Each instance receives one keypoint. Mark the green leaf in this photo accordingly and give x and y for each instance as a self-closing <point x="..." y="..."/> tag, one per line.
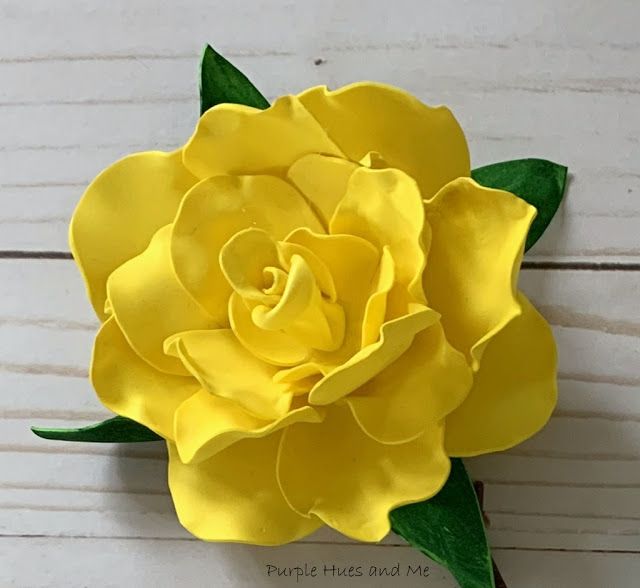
<point x="541" y="183"/>
<point x="115" y="430"/>
<point x="449" y="529"/>
<point x="220" y="82"/>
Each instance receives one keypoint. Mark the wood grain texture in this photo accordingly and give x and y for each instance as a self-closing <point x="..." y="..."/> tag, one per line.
<point x="170" y="563"/>
<point x="525" y="79"/>
<point x="573" y="486"/>
<point x="86" y="83"/>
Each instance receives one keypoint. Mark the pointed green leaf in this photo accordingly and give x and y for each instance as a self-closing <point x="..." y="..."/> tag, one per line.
<point x="449" y="529"/>
<point x="115" y="430"/>
<point x="541" y="183"/>
<point x="220" y="82"/>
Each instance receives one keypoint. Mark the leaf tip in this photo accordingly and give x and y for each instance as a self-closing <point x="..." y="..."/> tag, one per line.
<point x="40" y="432"/>
<point x="207" y="51"/>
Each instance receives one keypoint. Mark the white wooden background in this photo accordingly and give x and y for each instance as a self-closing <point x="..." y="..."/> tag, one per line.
<point x="82" y="83"/>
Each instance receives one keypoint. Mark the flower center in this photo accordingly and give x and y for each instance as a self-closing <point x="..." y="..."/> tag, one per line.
<point x="285" y="288"/>
<point x="275" y="280"/>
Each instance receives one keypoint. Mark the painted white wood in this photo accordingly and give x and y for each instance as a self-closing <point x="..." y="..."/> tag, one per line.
<point x="145" y="27"/>
<point x="573" y="486"/>
<point x="169" y="563"/>
<point x="525" y="79"/>
<point x="86" y="83"/>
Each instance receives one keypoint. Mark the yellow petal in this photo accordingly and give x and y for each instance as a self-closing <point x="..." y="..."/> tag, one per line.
<point x="236" y="139"/>
<point x="297" y="296"/>
<point x="302" y="311"/>
<point x="478" y="237"/>
<point x="130" y="387"/>
<point x="420" y="388"/>
<point x="278" y="279"/>
<point x="274" y="347"/>
<point x="150" y="304"/>
<point x="243" y="260"/>
<point x="205" y="424"/>
<point x="300" y="372"/>
<point x="335" y="471"/>
<point x="234" y="496"/>
<point x="385" y="208"/>
<point x="376" y="308"/>
<point x="215" y="210"/>
<point x="352" y="263"/>
<point x="374" y="160"/>
<point x="514" y="392"/>
<point x="321" y="272"/>
<point x="120" y="211"/>
<point x="322" y="180"/>
<point x="225" y="368"/>
<point x="425" y="142"/>
<point x="395" y="338"/>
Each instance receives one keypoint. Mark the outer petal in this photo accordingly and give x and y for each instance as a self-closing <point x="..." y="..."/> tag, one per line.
<point x="205" y="424"/>
<point x="225" y="368"/>
<point x="121" y="210"/>
<point x="478" y="237"/>
<point x="385" y="207"/>
<point x="150" y="304"/>
<point x="234" y="496"/>
<point x="130" y="387"/>
<point x="420" y="388"/>
<point x="323" y="180"/>
<point x="514" y="392"/>
<point x="335" y="471"/>
<point x="425" y="142"/>
<point x="236" y="139"/>
<point x="215" y="210"/>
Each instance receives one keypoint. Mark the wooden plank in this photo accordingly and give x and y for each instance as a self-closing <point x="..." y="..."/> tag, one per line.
<point x="162" y="563"/>
<point x="144" y="27"/>
<point x="84" y="85"/>
<point x="42" y="179"/>
<point x="166" y="78"/>
<point x="573" y="486"/>
<point x="557" y="82"/>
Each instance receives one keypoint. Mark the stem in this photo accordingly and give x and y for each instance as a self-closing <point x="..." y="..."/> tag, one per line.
<point x="497" y="576"/>
<point x="479" y="488"/>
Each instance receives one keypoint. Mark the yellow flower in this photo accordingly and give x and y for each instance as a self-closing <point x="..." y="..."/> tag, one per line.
<point x="316" y="306"/>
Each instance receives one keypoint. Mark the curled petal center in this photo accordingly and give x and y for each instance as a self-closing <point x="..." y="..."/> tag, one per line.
<point x="286" y="290"/>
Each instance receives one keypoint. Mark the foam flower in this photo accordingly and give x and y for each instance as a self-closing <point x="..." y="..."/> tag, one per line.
<point x="316" y="306"/>
<point x="314" y="303"/>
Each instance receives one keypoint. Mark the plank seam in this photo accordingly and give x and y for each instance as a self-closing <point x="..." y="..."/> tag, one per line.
<point x="610" y="266"/>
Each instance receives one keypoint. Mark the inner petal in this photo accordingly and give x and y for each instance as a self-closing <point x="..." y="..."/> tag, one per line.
<point x="243" y="260"/>
<point x="297" y="296"/>
<point x="352" y="263"/>
<point x="275" y="347"/>
<point x="385" y="207"/>
<point x="321" y="272"/>
<point x="323" y="181"/>
<point x="214" y="211"/>
<point x="225" y="368"/>
<point x="282" y="293"/>
<point x="374" y="314"/>
<point x="302" y="311"/>
<point x="275" y="280"/>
